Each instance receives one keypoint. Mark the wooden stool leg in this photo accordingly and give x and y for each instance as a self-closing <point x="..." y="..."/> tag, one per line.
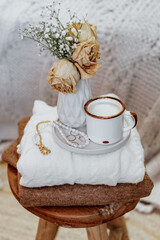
<point x="118" y="229"/>
<point x="98" y="232"/>
<point x="46" y="230"/>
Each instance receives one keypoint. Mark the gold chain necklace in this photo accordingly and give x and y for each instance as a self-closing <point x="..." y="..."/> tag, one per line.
<point x="70" y="139"/>
<point x="44" y="150"/>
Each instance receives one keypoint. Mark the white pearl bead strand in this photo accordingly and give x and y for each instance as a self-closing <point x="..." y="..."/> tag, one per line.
<point x="59" y="126"/>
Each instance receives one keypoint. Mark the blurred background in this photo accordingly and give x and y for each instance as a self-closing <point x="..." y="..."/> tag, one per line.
<point x="129" y="36"/>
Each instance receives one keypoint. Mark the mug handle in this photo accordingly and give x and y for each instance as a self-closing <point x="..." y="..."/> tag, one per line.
<point x="133" y="116"/>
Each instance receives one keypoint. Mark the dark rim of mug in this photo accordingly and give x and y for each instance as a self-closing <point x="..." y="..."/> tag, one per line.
<point x="100" y="117"/>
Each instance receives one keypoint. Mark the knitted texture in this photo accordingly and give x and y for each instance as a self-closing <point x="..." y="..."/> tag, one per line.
<point x="128" y="33"/>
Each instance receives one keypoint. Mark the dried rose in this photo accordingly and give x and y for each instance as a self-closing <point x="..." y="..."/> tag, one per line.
<point x="63" y="76"/>
<point x="85" y="56"/>
<point x="86" y="31"/>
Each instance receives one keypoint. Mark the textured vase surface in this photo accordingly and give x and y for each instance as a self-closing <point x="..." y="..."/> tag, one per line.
<point x="70" y="107"/>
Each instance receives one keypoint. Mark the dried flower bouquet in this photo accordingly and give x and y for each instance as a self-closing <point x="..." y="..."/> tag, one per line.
<point x="75" y="45"/>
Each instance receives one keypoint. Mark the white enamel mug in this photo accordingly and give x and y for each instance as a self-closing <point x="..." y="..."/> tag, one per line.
<point x="105" y="119"/>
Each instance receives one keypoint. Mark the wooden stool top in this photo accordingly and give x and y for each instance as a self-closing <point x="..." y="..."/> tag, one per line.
<point x="76" y="217"/>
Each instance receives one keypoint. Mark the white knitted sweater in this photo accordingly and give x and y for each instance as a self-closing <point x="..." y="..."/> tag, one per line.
<point x="128" y="33"/>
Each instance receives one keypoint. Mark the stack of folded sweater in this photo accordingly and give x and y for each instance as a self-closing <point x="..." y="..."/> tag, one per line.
<point x="63" y="178"/>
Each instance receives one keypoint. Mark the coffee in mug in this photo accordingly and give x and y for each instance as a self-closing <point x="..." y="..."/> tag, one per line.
<point x="105" y="119"/>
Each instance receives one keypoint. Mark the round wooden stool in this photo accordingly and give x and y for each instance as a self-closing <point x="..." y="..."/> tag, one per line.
<point x="96" y="220"/>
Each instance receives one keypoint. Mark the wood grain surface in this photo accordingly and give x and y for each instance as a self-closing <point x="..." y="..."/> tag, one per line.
<point x="76" y="217"/>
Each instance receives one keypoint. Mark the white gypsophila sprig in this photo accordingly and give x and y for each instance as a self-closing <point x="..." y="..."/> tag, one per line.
<point x="51" y="35"/>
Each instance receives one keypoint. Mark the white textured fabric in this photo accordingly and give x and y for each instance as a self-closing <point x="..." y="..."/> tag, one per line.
<point x="61" y="166"/>
<point x="128" y="32"/>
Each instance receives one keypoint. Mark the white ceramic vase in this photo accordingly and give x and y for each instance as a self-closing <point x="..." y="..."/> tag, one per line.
<point x="70" y="107"/>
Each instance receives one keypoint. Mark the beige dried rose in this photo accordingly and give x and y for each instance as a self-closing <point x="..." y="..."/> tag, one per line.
<point x="63" y="76"/>
<point x="87" y="31"/>
<point x="85" y="56"/>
